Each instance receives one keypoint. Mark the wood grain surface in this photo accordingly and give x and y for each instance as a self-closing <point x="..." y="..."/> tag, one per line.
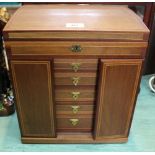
<point x="49" y="17"/>
<point x="109" y="45"/>
<point x="63" y="49"/>
<point x="116" y="98"/>
<point x="32" y="84"/>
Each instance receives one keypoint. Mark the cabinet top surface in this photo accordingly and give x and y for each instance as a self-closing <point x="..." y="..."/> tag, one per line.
<point x="75" y="18"/>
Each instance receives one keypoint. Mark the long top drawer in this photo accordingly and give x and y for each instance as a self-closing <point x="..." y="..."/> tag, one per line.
<point x="76" y="49"/>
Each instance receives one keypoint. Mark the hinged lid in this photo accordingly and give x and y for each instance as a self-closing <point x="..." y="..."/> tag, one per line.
<point x="99" y="22"/>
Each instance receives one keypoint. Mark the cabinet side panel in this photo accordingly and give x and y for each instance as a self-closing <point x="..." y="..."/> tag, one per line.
<point x="116" y="96"/>
<point x="33" y="91"/>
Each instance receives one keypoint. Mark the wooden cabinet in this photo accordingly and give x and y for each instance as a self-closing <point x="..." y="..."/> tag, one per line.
<point x="75" y="81"/>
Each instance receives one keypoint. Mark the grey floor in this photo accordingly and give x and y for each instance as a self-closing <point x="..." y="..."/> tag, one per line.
<point x="142" y="133"/>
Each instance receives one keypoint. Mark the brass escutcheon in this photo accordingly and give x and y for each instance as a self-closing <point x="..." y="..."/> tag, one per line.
<point x="76" y="48"/>
<point x="75" y="95"/>
<point x="75" y="66"/>
<point x="74" y="121"/>
<point x="75" y="108"/>
<point x="75" y="80"/>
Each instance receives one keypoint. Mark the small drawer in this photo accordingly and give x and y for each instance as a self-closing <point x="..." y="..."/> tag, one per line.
<point x="74" y="95"/>
<point x="75" y="65"/>
<point x="75" y="103"/>
<point x="78" y="123"/>
<point x="75" y="79"/>
<point x="75" y="109"/>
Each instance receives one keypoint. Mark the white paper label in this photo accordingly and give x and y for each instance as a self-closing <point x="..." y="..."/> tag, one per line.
<point x="75" y="25"/>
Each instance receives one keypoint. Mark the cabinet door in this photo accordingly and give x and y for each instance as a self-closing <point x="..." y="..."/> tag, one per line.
<point x="117" y="89"/>
<point x="33" y="90"/>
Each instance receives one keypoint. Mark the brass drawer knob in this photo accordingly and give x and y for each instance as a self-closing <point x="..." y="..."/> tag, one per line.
<point x="75" y="109"/>
<point x="75" y="80"/>
<point x="75" y="66"/>
<point x="75" y="95"/>
<point x="76" y="48"/>
<point x="74" y="121"/>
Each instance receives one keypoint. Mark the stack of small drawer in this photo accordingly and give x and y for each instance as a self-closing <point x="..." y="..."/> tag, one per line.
<point x="75" y="83"/>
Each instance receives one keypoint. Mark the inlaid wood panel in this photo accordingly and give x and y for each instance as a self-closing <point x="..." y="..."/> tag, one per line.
<point x="116" y="96"/>
<point x="33" y="86"/>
